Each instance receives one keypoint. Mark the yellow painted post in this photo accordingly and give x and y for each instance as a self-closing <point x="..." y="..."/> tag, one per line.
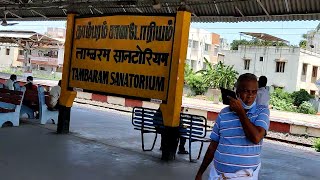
<point x="67" y="97"/>
<point x="171" y="110"/>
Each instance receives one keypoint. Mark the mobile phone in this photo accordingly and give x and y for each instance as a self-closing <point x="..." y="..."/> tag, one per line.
<point x="226" y="93"/>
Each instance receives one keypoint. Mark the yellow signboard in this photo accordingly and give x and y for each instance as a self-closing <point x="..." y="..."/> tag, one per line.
<point x="123" y="55"/>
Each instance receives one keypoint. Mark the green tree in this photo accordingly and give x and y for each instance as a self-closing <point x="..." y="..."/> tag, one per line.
<point x="300" y="96"/>
<point x="281" y="100"/>
<point x="219" y="75"/>
<point x="255" y="42"/>
<point x="187" y="70"/>
<point x="303" y="44"/>
<point x="208" y="74"/>
<point x="306" y="108"/>
<point x="236" y="43"/>
<point x="196" y="83"/>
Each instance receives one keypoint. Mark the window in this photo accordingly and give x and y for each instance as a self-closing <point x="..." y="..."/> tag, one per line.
<point x="261" y="58"/>
<point x="8" y="51"/>
<point x="220" y="58"/>
<point x="304" y="69"/>
<point x="21" y="52"/>
<point x="195" y="44"/>
<point x="193" y="64"/>
<point x="215" y="51"/>
<point x="246" y="64"/>
<point x="204" y="66"/>
<point x="207" y="47"/>
<point x="313" y="93"/>
<point x="314" y="71"/>
<point x="280" y="67"/>
<point x="189" y="43"/>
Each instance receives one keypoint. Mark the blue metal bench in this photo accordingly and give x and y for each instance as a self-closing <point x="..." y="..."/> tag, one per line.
<point x="45" y="115"/>
<point x="192" y="127"/>
<point x="10" y="105"/>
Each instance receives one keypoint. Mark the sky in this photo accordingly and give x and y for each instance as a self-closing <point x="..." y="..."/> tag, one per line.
<point x="288" y="30"/>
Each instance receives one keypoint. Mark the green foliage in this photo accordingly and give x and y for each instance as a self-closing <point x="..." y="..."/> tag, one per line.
<point x="35" y="73"/>
<point x="316" y="145"/>
<point x="300" y="96"/>
<point x="236" y="43"/>
<point x="306" y="108"/>
<point x="211" y="98"/>
<point x="303" y="44"/>
<point x="282" y="95"/>
<point x="304" y="36"/>
<point x="295" y="102"/>
<point x="219" y="75"/>
<point x="282" y="100"/>
<point x="196" y="83"/>
<point x="255" y="42"/>
<point x="187" y="70"/>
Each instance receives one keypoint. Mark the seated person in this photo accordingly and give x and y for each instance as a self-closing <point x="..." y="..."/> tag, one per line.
<point x="54" y="95"/>
<point x="10" y="82"/>
<point x="16" y="86"/>
<point x="182" y="140"/>
<point x="31" y="99"/>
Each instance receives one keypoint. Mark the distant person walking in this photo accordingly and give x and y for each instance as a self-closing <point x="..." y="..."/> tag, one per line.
<point x="10" y="82"/>
<point x="263" y="96"/>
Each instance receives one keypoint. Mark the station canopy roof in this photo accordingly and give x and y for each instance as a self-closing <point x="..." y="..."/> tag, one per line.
<point x="202" y="10"/>
<point x="265" y="37"/>
<point x="21" y="37"/>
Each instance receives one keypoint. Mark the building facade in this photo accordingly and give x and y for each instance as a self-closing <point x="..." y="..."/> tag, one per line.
<point x="45" y="58"/>
<point x="202" y="45"/>
<point x="290" y="68"/>
<point x="8" y="56"/>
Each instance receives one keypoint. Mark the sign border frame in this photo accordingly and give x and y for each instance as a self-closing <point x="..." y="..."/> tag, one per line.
<point x="115" y="94"/>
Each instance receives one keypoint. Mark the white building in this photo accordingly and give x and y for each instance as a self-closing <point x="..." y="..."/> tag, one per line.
<point x="202" y="44"/>
<point x="8" y="56"/>
<point x="289" y="68"/>
<point x="48" y="58"/>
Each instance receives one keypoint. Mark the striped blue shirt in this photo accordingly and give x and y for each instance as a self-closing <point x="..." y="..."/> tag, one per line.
<point x="235" y="151"/>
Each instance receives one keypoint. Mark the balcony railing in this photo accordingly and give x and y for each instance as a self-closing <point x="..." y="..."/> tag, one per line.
<point x="43" y="58"/>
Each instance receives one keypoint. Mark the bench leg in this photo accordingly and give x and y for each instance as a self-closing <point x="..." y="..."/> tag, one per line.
<point x="153" y="144"/>
<point x="201" y="146"/>
<point x="190" y="152"/>
<point x="190" y="159"/>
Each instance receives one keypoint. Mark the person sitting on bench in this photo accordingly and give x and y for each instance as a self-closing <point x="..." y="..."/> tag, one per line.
<point x="54" y="95"/>
<point x="31" y="92"/>
<point x="182" y="140"/>
<point x="9" y="83"/>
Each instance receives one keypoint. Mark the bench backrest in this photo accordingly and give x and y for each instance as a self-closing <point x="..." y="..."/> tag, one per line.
<point x="193" y="125"/>
<point x="146" y="118"/>
<point x="190" y="125"/>
<point x="11" y="99"/>
<point x="42" y="95"/>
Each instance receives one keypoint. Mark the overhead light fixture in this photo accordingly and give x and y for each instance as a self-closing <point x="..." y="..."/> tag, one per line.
<point x="156" y="4"/>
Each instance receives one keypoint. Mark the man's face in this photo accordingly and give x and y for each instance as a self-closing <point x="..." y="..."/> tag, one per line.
<point x="248" y="91"/>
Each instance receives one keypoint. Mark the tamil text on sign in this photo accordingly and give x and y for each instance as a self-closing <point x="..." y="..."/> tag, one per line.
<point x="123" y="55"/>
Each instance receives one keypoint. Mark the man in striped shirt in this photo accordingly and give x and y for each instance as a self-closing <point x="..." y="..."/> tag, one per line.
<point x="237" y="135"/>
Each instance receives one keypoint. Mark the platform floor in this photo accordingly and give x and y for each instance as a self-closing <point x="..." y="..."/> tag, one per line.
<point x="103" y="145"/>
